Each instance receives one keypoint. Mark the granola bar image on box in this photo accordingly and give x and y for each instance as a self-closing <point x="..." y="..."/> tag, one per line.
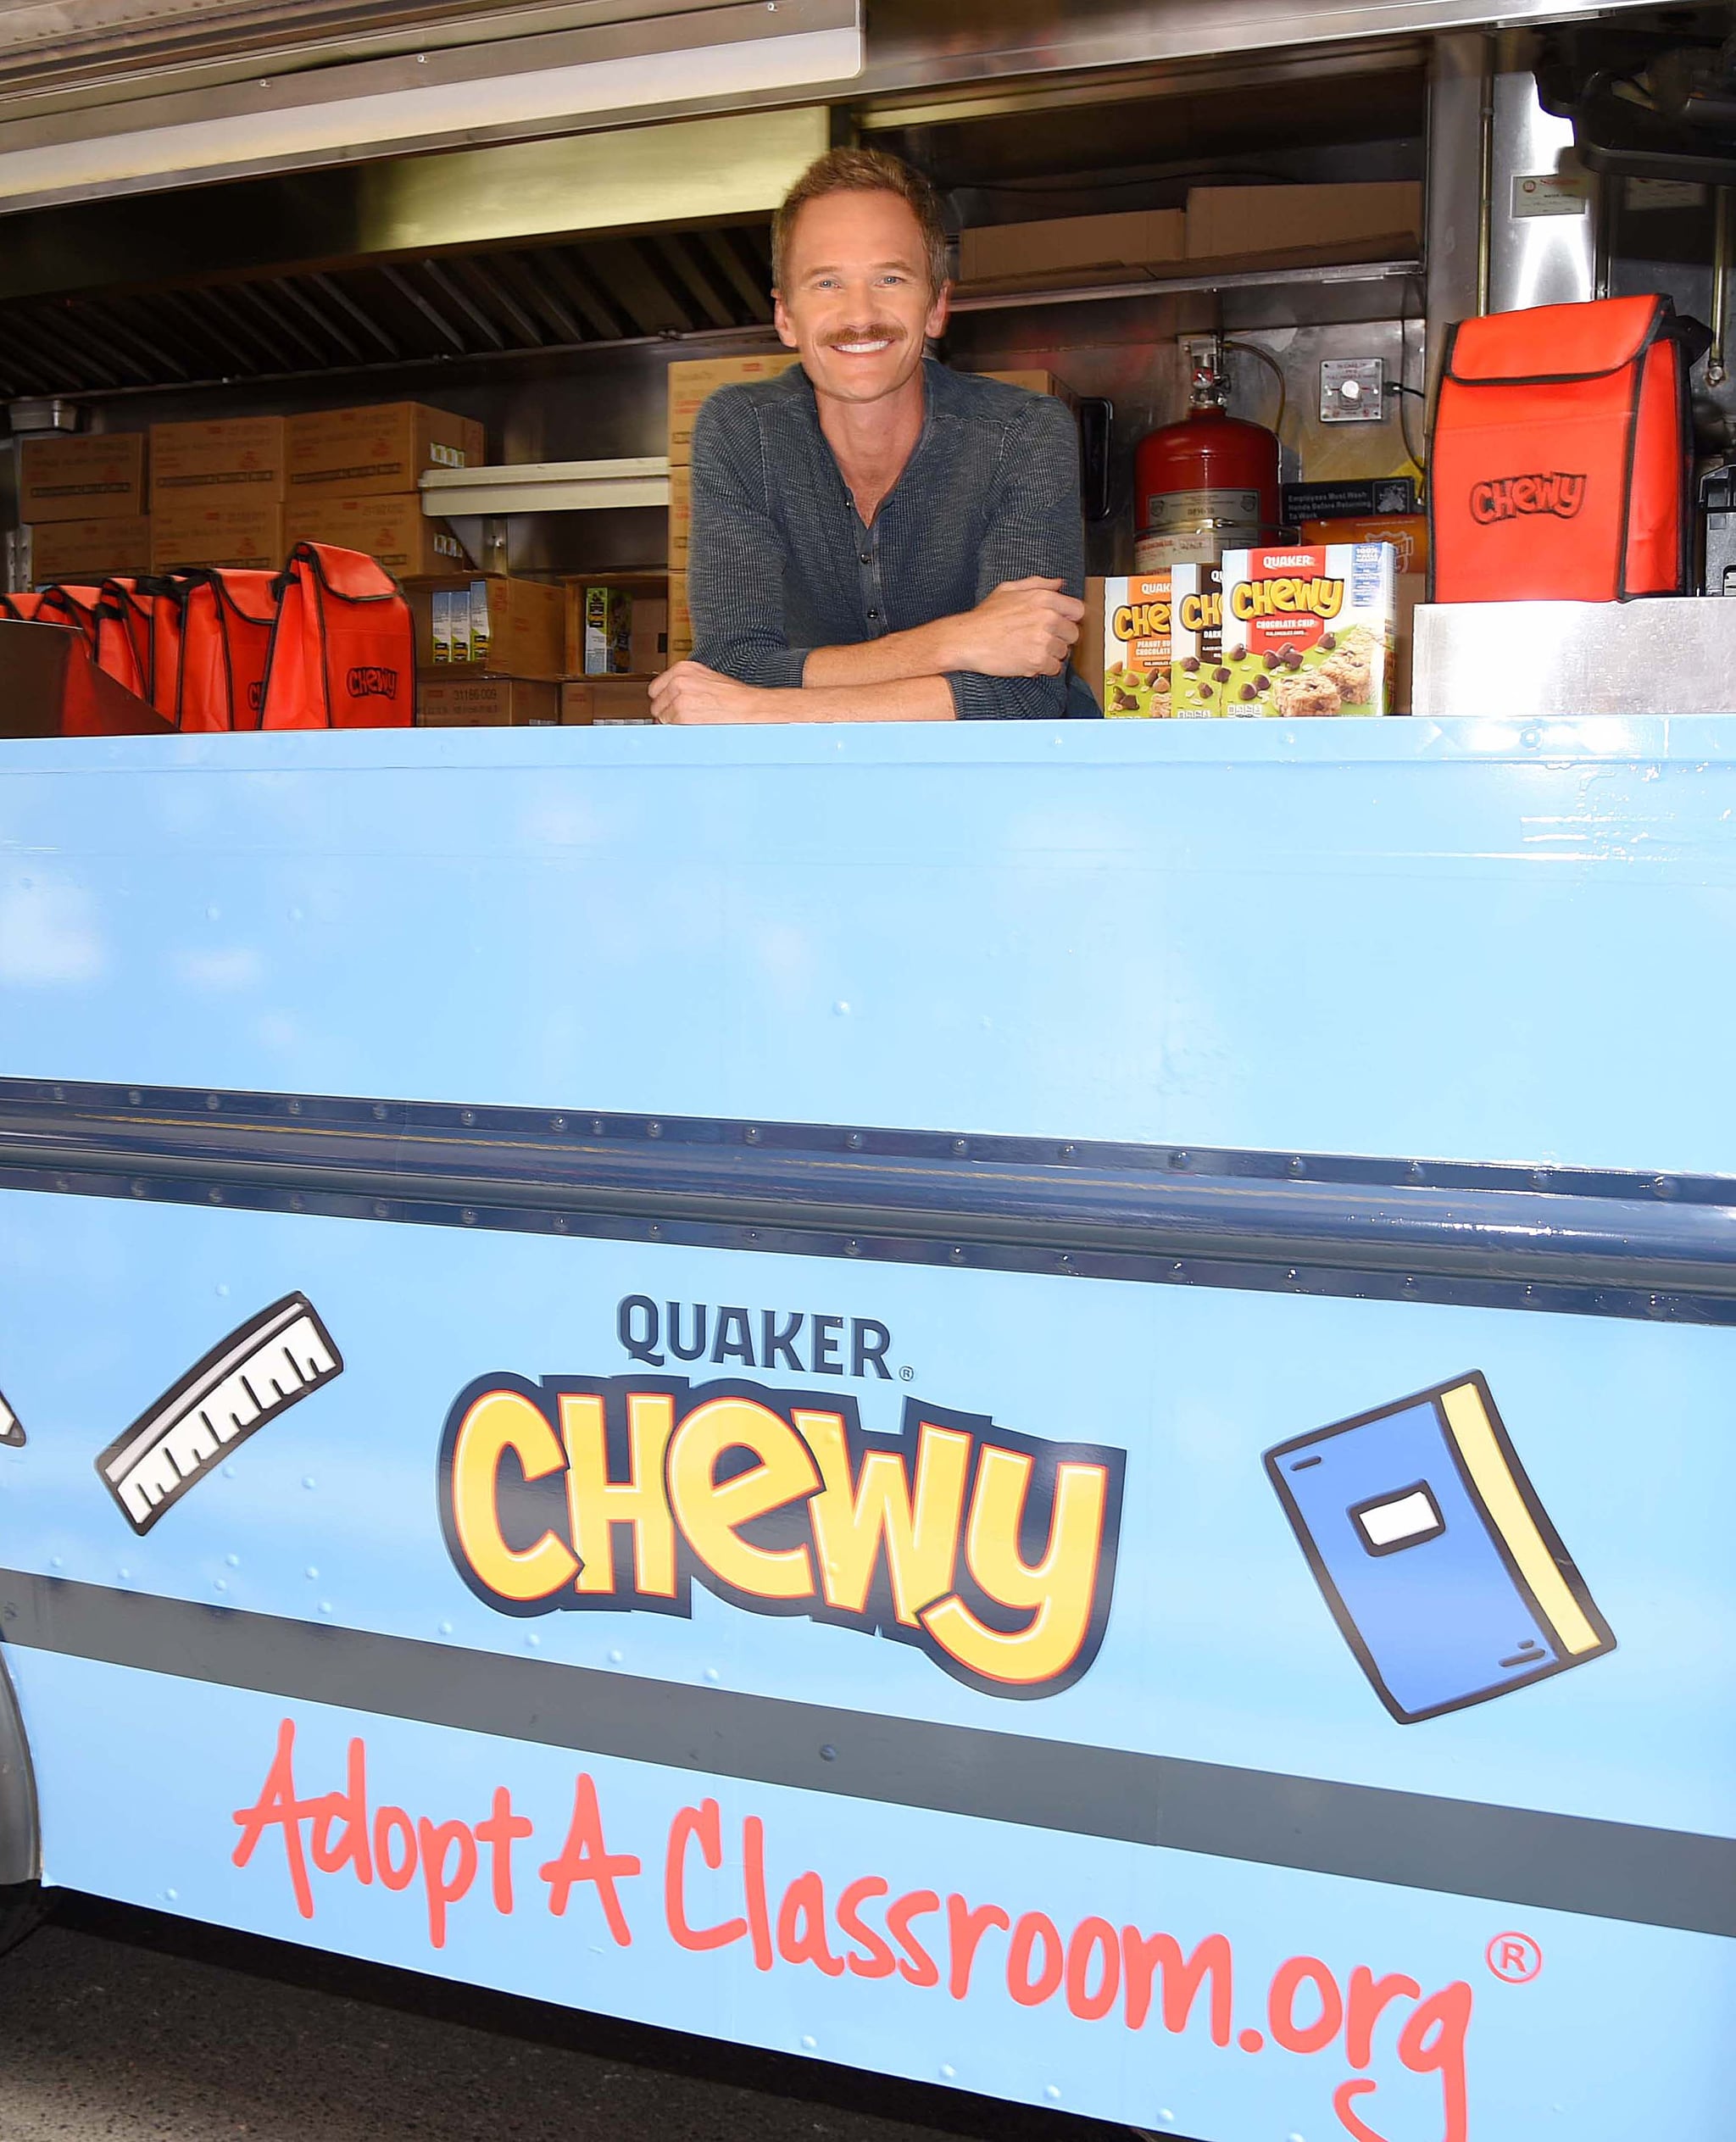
<point x="1308" y="692"/>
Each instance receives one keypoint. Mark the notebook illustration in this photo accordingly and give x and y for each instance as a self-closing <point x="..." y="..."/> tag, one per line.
<point x="1428" y="1543"/>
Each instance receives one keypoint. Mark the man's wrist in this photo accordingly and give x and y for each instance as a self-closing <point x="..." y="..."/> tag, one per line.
<point x="945" y="650"/>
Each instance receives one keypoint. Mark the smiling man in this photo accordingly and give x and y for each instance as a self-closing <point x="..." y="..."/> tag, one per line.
<point x="875" y="538"/>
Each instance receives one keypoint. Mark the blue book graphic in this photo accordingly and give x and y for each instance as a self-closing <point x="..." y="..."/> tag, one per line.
<point x="1429" y="1544"/>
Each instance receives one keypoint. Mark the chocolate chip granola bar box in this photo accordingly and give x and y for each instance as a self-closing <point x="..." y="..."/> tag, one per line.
<point x="1197" y="674"/>
<point x="1308" y="632"/>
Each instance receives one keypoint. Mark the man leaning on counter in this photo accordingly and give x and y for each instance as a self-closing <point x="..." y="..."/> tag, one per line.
<point x="875" y="537"/>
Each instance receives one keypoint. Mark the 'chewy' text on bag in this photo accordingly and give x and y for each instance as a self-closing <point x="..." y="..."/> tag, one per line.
<point x="1562" y="454"/>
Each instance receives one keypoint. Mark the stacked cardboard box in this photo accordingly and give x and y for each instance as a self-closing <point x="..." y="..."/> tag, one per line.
<point x="606" y="703"/>
<point x="490" y="626"/>
<point x="689" y="386"/>
<point x="217" y="493"/>
<point x="350" y="478"/>
<point x="486" y="703"/>
<point x="83" y="501"/>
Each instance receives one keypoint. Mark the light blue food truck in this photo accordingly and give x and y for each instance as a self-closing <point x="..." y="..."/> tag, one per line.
<point x="1031" y="1406"/>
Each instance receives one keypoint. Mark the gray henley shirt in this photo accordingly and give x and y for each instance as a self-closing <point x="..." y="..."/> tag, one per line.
<point x="781" y="562"/>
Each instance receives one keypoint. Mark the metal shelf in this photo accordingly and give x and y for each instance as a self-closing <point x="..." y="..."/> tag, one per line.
<point x="1153" y="286"/>
<point x="547" y="487"/>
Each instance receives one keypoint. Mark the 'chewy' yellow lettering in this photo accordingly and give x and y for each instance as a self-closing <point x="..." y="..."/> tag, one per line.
<point x="498" y="1423"/>
<point x="1287" y="598"/>
<point x="711" y="1511"/>
<point x="854" y="1520"/>
<point x="1061" y="1590"/>
<point x="1141" y="621"/>
<point x="1202" y="612"/>
<point x="596" y="1503"/>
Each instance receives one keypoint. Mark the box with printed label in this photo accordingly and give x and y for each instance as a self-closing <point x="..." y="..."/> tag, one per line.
<point x="393" y="530"/>
<point x="244" y="454"/>
<point x="691" y="382"/>
<point x="1309" y="632"/>
<point x="87" y="550"/>
<point x="99" y="476"/>
<point x="486" y="703"/>
<point x="220" y="530"/>
<point x="1197" y="675"/>
<point x="606" y="703"/>
<point x="383" y="447"/>
<point x="490" y="625"/>
<point x="1123" y="652"/>
<point x="1407" y="533"/>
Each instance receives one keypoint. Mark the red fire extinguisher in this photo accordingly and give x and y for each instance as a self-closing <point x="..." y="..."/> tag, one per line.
<point x="1206" y="485"/>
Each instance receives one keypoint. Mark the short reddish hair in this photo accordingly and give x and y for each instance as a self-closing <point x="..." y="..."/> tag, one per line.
<point x="862" y="171"/>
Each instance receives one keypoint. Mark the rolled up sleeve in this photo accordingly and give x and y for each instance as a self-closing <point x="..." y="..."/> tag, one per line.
<point x="735" y="577"/>
<point x="1035" y="530"/>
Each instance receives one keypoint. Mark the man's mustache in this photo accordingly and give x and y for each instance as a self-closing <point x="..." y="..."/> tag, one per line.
<point x="879" y="331"/>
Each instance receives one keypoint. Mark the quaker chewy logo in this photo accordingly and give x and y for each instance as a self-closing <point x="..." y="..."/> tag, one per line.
<point x="990" y="1549"/>
<point x="371" y="681"/>
<point x="1509" y="498"/>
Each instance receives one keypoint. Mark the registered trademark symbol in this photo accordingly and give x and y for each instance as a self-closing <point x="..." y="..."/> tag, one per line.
<point x="1514" y="1958"/>
<point x="907" y="1376"/>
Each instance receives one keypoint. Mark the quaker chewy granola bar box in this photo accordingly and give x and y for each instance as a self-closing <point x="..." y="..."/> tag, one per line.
<point x="1197" y="673"/>
<point x="1136" y="647"/>
<point x="1309" y="632"/>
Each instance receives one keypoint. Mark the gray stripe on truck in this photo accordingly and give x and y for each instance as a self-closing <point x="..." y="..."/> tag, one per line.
<point x="1465" y="1848"/>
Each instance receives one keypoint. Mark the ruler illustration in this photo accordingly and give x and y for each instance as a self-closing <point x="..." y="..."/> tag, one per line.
<point x="256" y="1373"/>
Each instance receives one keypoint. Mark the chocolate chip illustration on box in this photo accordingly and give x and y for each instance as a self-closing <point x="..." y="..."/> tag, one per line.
<point x="1280" y="634"/>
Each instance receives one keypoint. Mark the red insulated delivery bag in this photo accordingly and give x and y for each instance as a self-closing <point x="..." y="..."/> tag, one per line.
<point x="139" y="639"/>
<point x="343" y="648"/>
<point x="226" y="622"/>
<point x="1561" y="462"/>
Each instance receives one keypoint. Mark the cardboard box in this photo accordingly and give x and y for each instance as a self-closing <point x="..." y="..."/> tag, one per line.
<point x="1004" y="252"/>
<point x="606" y="703"/>
<point x="681" y="516"/>
<point x="1309" y="632"/>
<point x="491" y="627"/>
<point x="1231" y="220"/>
<point x="88" y="550"/>
<point x="650" y="641"/>
<point x="486" y="703"/>
<point x="1407" y="533"/>
<point x="681" y="620"/>
<point x="237" y="453"/>
<point x="381" y="449"/>
<point x="395" y="530"/>
<point x="225" y="530"/>
<point x="1196" y="639"/>
<point x="98" y="477"/>
<point x="645" y="649"/>
<point x="691" y="382"/>
<point x="1124" y="648"/>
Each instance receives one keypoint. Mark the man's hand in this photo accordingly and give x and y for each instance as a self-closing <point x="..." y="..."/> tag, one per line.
<point x="689" y="692"/>
<point x="1025" y="628"/>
